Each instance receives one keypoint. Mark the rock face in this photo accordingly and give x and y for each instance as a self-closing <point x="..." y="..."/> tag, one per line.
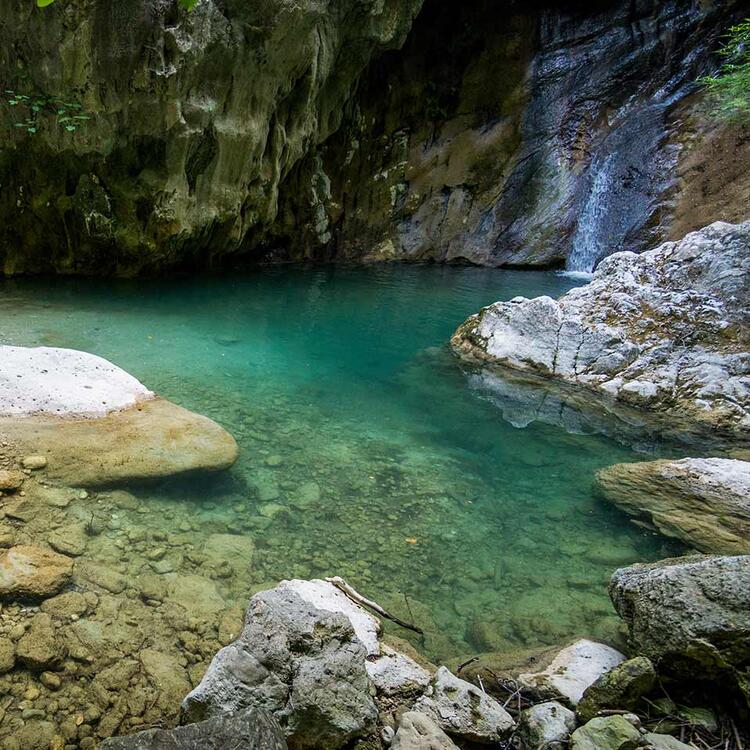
<point x="690" y="616"/>
<point x="303" y="664"/>
<point x="419" y="732"/>
<point x="264" y="129"/>
<point x="96" y="424"/>
<point x="705" y="502"/>
<point x="546" y="725"/>
<point x="574" y="669"/>
<point x="29" y="572"/>
<point x="250" y="730"/>
<point x="665" y="331"/>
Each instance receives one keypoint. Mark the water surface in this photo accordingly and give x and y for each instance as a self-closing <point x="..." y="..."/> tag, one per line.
<point x="366" y="452"/>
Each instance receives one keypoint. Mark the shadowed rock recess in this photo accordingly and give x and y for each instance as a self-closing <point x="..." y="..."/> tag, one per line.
<point x="280" y="130"/>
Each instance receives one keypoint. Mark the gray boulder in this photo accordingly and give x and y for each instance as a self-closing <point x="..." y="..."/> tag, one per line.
<point x="690" y="616"/>
<point x="705" y="502"/>
<point x="247" y="730"/>
<point x="418" y="731"/>
<point x="546" y="725"/>
<point x="303" y="664"/>
<point x="606" y="733"/>
<point x="463" y="710"/>
<point x="661" y="331"/>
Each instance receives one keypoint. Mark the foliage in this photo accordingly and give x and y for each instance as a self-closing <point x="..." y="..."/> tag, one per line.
<point x="730" y="87"/>
<point x="34" y="110"/>
<point x="188" y="4"/>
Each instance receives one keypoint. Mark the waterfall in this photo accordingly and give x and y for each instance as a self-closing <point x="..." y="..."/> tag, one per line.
<point x="588" y="242"/>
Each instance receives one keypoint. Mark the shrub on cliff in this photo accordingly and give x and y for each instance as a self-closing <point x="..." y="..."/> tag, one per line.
<point x="730" y="87"/>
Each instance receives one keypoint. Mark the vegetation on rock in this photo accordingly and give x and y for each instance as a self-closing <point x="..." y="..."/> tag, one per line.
<point x="730" y="87"/>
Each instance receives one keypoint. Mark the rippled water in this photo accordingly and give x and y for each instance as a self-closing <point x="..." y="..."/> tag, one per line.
<point x="366" y="451"/>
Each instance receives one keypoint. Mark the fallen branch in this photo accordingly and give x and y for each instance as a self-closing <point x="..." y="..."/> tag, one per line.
<point x="357" y="598"/>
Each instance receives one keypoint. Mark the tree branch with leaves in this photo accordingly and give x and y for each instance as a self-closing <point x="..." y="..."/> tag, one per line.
<point x="730" y="86"/>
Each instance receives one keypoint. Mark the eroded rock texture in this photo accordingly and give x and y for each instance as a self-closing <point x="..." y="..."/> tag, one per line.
<point x="502" y="133"/>
<point x="664" y="331"/>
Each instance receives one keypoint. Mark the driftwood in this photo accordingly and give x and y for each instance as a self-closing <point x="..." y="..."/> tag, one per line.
<point x="357" y="598"/>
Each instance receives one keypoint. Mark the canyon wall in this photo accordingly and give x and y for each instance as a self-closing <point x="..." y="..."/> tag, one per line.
<point x="494" y="133"/>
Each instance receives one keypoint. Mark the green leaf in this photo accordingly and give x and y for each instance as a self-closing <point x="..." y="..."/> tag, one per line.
<point x="70" y="128"/>
<point x="44" y="3"/>
<point x="31" y="130"/>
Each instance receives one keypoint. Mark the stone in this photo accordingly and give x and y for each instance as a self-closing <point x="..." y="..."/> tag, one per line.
<point x="7" y="655"/>
<point x="704" y="502"/>
<point x="40" y="648"/>
<point x="606" y="733"/>
<point x="69" y="540"/>
<point x="252" y="729"/>
<point x="652" y="741"/>
<point x="10" y="480"/>
<point x="66" y="606"/>
<point x="303" y="664"/>
<point x="690" y="615"/>
<point x="574" y="669"/>
<point x="167" y="676"/>
<point x="36" y="735"/>
<point x="305" y="495"/>
<point x="101" y="575"/>
<point x="622" y="688"/>
<point x="463" y="710"/>
<point x="233" y="549"/>
<point x="30" y="572"/>
<point x="198" y="596"/>
<point x="34" y="463"/>
<point x="397" y="674"/>
<point x="546" y="725"/>
<point x="660" y="332"/>
<point x="50" y="680"/>
<point x="417" y="731"/>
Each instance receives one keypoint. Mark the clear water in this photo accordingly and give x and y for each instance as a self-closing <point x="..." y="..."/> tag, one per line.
<point x="365" y="452"/>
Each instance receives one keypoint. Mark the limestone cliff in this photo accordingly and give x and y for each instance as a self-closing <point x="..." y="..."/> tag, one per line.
<point x="357" y="129"/>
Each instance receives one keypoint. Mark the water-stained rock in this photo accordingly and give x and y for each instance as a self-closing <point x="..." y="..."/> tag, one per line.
<point x="664" y="331"/>
<point x="27" y="571"/>
<point x="705" y="502"/>
<point x="252" y="729"/>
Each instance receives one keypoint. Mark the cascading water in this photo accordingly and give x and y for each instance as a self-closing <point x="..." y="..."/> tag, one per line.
<point x="587" y="244"/>
<point x="627" y="179"/>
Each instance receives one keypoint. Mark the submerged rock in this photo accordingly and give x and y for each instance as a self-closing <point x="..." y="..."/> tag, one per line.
<point x="705" y="502"/>
<point x="253" y="729"/>
<point x="572" y="671"/>
<point x="33" y="572"/>
<point x="10" y="480"/>
<point x="661" y="331"/>
<point x="416" y="731"/>
<point x="691" y="616"/>
<point x="463" y="710"/>
<point x="97" y="424"/>
<point x="40" y="648"/>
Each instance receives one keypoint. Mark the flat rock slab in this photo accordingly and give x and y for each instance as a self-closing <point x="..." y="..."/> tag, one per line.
<point x="153" y="440"/>
<point x="249" y="730"/>
<point x="29" y="572"/>
<point x="573" y="670"/>
<point x="419" y="732"/>
<point x="64" y="382"/>
<point x="705" y="502"/>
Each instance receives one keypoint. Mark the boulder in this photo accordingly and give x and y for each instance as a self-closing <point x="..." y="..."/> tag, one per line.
<point x="651" y="741"/>
<point x="416" y="731"/>
<point x="34" y="463"/>
<point x="39" y="648"/>
<point x="233" y="550"/>
<point x="7" y="655"/>
<point x="662" y="331"/>
<point x="304" y="664"/>
<point x="689" y="615"/>
<point x="102" y="576"/>
<point x="546" y="725"/>
<point x="606" y="733"/>
<point x="704" y="502"/>
<point x="622" y="688"/>
<point x="98" y="425"/>
<point x="69" y="540"/>
<point x="29" y="572"/>
<point x="463" y="710"/>
<point x="574" y="669"/>
<point x="252" y="729"/>
<point x="11" y="480"/>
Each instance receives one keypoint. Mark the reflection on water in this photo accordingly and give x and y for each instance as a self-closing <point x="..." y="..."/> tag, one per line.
<point x="366" y="450"/>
